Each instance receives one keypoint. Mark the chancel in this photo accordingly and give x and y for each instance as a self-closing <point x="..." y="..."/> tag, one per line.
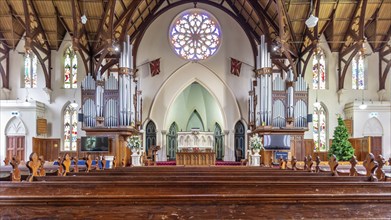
<point x="145" y="109"/>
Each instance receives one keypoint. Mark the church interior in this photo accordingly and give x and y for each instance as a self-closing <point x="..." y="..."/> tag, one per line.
<point x="181" y="109"/>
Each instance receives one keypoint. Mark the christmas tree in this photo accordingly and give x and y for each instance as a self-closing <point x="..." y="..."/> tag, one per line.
<point x="341" y="147"/>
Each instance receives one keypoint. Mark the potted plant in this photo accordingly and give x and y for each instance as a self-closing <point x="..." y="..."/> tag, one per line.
<point x="256" y="143"/>
<point x="134" y="143"/>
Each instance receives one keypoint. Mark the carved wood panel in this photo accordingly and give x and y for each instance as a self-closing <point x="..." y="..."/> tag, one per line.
<point x="16" y="147"/>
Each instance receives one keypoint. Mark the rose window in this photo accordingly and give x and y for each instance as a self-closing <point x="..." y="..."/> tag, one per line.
<point x="195" y="34"/>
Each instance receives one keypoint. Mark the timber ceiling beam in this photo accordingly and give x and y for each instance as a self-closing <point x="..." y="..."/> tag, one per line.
<point x="373" y="21"/>
<point x="34" y="44"/>
<point x="251" y="35"/>
<point x="242" y="21"/>
<point x="386" y="63"/>
<point x="313" y="38"/>
<point x="101" y="35"/>
<point x="357" y="36"/>
<point x="128" y="18"/>
<point x="4" y="70"/>
<point x="107" y="37"/>
<point x="262" y="19"/>
<point x="283" y="37"/>
<point x="329" y="25"/>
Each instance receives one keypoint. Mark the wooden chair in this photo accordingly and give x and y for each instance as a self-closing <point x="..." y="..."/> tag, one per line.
<point x="33" y="165"/>
<point x="152" y="152"/>
<point x="15" y="175"/>
<point x="239" y="154"/>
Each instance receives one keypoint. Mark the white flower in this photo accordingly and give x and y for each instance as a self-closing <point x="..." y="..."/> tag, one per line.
<point x="134" y="142"/>
<point x="256" y="142"/>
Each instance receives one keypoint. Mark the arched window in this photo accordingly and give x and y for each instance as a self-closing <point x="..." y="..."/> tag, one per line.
<point x="150" y="135"/>
<point x="218" y="135"/>
<point x="320" y="127"/>
<point x="358" y="71"/>
<point x="30" y="71"/>
<point x="70" y="68"/>
<point x="319" y="69"/>
<point x="70" y="128"/>
<point x="195" y="34"/>
<point x="172" y="141"/>
<point x="239" y="141"/>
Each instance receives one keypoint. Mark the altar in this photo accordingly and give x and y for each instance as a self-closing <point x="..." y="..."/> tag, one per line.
<point x="196" y="158"/>
<point x="195" y="139"/>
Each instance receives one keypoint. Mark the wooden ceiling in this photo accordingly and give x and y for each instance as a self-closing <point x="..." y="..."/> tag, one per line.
<point x="346" y="25"/>
<point x="338" y="19"/>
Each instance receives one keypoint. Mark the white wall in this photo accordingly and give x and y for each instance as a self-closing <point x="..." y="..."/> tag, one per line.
<point x="231" y="92"/>
<point x="380" y="111"/>
<point x="330" y="96"/>
<point x="159" y="92"/>
<point x="27" y="113"/>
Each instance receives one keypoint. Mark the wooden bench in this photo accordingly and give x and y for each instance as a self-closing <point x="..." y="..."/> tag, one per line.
<point x="108" y="197"/>
<point x="198" y="193"/>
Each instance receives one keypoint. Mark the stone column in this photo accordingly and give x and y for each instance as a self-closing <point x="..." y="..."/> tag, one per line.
<point x="227" y="150"/>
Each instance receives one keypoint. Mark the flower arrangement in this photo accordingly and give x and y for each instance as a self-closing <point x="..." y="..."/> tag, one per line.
<point x="256" y="142"/>
<point x="134" y="142"/>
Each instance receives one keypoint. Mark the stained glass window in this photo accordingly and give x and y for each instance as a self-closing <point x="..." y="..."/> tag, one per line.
<point x="358" y="71"/>
<point x="195" y="34"/>
<point x="70" y="68"/>
<point x="30" y="71"/>
<point x="70" y="128"/>
<point x="320" y="127"/>
<point x="319" y="70"/>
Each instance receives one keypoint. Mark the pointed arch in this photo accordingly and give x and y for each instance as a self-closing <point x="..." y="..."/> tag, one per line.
<point x="69" y="128"/>
<point x="15" y="127"/>
<point x="373" y="127"/>
<point x="195" y="121"/>
<point x="70" y="68"/>
<point x="219" y="141"/>
<point x="30" y="70"/>
<point x="319" y="71"/>
<point x="239" y="141"/>
<point x="172" y="141"/>
<point x="320" y="127"/>
<point x="358" y="71"/>
<point x="150" y="133"/>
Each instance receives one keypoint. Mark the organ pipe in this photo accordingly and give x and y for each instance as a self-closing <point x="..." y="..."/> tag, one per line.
<point x="117" y="101"/>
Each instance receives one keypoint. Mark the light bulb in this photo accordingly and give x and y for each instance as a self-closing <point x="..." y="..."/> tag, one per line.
<point x="311" y="21"/>
<point x="363" y="106"/>
<point x="83" y="19"/>
<point x="74" y="104"/>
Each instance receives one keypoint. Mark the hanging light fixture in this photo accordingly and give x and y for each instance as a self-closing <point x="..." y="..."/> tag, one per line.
<point x="74" y="104"/>
<point x="312" y="21"/>
<point x="363" y="105"/>
<point x="83" y="18"/>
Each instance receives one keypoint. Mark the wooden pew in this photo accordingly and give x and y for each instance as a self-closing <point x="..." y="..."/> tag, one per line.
<point x="111" y="198"/>
<point x="181" y="192"/>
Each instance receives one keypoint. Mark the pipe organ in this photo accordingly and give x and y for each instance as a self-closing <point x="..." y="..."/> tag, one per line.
<point x="111" y="102"/>
<point x="114" y="101"/>
<point x="274" y="101"/>
<point x="112" y="105"/>
<point x="278" y="103"/>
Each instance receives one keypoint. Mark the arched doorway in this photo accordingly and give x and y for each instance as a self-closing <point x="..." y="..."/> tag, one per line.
<point x="172" y="141"/>
<point x="15" y="132"/>
<point x="150" y="135"/>
<point x="239" y="141"/>
<point x="219" y="149"/>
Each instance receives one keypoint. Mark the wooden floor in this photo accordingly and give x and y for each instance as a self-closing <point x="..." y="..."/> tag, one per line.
<point x="196" y="193"/>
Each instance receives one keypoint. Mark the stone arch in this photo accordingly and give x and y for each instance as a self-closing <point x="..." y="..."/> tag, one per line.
<point x="15" y="127"/>
<point x="373" y="127"/>
<point x="180" y="80"/>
